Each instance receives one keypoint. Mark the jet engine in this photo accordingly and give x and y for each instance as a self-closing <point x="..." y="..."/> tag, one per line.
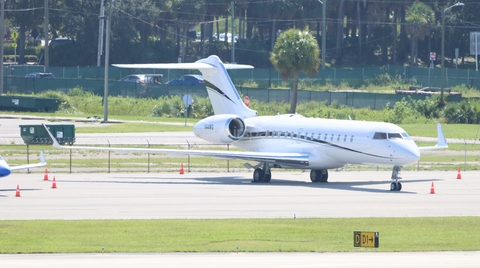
<point x="222" y="128"/>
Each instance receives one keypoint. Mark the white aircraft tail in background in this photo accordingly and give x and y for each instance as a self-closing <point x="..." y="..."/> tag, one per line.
<point x="5" y="169"/>
<point x="221" y="91"/>
<point x="286" y="141"/>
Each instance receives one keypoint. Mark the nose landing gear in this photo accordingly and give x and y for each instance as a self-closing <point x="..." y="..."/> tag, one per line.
<point x="396" y="185"/>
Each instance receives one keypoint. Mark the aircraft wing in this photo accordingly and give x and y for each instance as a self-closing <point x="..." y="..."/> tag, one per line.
<point x="193" y="65"/>
<point x="40" y="164"/>
<point x="441" y="142"/>
<point x="290" y="159"/>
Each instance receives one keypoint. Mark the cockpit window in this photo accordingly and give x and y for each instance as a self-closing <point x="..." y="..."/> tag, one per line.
<point x="380" y="136"/>
<point x="405" y="136"/>
<point x="392" y="136"/>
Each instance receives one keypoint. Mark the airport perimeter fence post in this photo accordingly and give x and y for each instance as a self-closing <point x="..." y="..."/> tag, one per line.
<point x="148" y="157"/>
<point x="28" y="157"/>
<point x="188" y="169"/>
<point x="108" y="157"/>
<point x="70" y="160"/>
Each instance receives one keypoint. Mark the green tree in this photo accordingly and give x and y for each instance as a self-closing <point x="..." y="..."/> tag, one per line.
<point x="25" y="15"/>
<point x="420" y="19"/>
<point x="294" y="52"/>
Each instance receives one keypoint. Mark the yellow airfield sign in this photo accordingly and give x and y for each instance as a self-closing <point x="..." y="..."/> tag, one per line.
<point x="365" y="239"/>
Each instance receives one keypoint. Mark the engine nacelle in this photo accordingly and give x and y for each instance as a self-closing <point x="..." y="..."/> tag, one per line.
<point x="222" y="128"/>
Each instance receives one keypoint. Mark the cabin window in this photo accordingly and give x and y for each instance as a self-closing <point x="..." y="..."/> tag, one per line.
<point x="380" y="136"/>
<point x="319" y="136"/>
<point x="351" y="138"/>
<point x="345" y="138"/>
<point x="325" y="137"/>
<point x="338" y="137"/>
<point x="331" y="138"/>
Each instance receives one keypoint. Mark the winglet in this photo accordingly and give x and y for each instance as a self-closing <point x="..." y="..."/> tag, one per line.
<point x="441" y="142"/>
<point x="42" y="158"/>
<point x="54" y="140"/>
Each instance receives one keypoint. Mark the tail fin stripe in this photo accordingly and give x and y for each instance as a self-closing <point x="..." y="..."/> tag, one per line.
<point x="216" y="89"/>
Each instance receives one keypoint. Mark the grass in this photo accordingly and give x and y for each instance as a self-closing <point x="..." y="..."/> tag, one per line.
<point x="456" y="131"/>
<point x="249" y="235"/>
<point x="130" y="127"/>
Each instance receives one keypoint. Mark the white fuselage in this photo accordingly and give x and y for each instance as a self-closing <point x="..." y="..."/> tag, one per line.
<point x="330" y="143"/>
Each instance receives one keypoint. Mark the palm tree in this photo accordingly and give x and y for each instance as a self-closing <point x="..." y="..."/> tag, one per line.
<point x="294" y="52"/>
<point x="420" y="19"/>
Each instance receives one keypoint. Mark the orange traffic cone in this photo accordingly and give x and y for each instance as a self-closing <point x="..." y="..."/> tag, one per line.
<point x="432" y="189"/>
<point x="459" y="176"/>
<point x="45" y="177"/>
<point x="181" y="169"/>
<point x="54" y="183"/>
<point x="17" y="194"/>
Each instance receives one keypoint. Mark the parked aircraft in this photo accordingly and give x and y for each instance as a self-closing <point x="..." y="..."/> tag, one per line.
<point x="288" y="140"/>
<point x="5" y="169"/>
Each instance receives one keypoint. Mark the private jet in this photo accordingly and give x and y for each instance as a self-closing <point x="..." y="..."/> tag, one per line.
<point x="287" y="140"/>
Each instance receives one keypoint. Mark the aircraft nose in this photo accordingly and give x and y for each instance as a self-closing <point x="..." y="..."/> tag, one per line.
<point x="410" y="154"/>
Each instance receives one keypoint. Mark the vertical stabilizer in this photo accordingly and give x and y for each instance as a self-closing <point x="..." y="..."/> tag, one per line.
<point x="221" y="91"/>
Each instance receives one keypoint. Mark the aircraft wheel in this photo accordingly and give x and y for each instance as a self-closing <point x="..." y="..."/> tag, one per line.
<point x="314" y="175"/>
<point x="324" y="175"/>
<point x="396" y="186"/>
<point x="258" y="175"/>
<point x="393" y="186"/>
<point x="267" y="177"/>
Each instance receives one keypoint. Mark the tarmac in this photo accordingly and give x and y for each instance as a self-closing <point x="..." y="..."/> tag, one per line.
<point x="233" y="195"/>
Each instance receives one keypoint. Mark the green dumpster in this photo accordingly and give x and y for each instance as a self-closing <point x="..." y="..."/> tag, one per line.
<point x="31" y="104"/>
<point x="36" y="134"/>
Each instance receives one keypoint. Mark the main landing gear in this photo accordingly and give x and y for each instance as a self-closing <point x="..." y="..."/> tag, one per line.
<point x="262" y="174"/>
<point x="396" y="185"/>
<point x="320" y="175"/>
<point x="265" y="175"/>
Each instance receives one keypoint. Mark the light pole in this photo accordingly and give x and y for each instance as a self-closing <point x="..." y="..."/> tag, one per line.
<point x="442" y="74"/>
<point x="324" y="36"/>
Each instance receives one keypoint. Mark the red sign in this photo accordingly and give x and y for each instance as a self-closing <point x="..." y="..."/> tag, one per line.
<point x="246" y="100"/>
<point x="433" y="55"/>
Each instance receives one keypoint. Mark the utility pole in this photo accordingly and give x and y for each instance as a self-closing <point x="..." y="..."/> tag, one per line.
<point x="2" y="30"/>
<point x="100" y="34"/>
<point x="324" y="35"/>
<point x="233" y="32"/>
<point x="45" y="30"/>
<point x="324" y="32"/>
<point x="442" y="71"/>
<point x="107" y="63"/>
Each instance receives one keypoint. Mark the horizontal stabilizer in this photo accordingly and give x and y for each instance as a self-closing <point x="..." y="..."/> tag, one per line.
<point x="187" y="66"/>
